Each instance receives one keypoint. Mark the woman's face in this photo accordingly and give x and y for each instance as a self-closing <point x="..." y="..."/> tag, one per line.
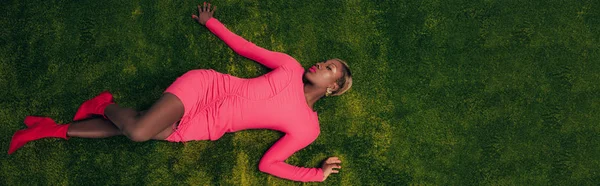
<point x="325" y="74"/>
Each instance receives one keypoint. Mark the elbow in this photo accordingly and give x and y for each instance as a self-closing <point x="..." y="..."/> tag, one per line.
<point x="241" y="49"/>
<point x="264" y="167"/>
<point x="247" y="49"/>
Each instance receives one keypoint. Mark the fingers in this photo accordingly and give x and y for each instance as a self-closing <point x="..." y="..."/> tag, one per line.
<point x="333" y="163"/>
<point x="202" y="8"/>
<point x="335" y="166"/>
<point x="333" y="160"/>
<point x="210" y="8"/>
<point x="206" y="7"/>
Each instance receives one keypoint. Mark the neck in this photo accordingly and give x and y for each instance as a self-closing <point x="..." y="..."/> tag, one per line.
<point x="312" y="94"/>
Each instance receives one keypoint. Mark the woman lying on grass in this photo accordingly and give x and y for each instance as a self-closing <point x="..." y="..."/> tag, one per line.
<point x="204" y="104"/>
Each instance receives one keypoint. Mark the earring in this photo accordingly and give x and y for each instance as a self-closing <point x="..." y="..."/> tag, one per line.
<point x="328" y="92"/>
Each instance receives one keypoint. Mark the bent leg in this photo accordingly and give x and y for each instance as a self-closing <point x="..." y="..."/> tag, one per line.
<point x="165" y="133"/>
<point x="137" y="127"/>
<point x="103" y="128"/>
<point x="93" y="128"/>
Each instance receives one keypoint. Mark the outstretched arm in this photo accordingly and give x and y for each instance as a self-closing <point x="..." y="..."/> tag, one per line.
<point x="273" y="162"/>
<point x="238" y="44"/>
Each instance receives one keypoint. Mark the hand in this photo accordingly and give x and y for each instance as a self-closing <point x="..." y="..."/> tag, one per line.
<point x="204" y="13"/>
<point x="329" y="165"/>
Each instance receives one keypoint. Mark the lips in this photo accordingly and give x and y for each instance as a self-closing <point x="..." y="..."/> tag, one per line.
<point x="312" y="69"/>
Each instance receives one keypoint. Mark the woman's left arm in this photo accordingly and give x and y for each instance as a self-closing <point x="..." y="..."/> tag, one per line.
<point x="273" y="160"/>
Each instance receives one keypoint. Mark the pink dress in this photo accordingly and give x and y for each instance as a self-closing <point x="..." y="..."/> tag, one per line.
<point x="217" y="103"/>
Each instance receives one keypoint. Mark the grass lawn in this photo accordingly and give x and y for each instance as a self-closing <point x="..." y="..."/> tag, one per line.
<point x="459" y="92"/>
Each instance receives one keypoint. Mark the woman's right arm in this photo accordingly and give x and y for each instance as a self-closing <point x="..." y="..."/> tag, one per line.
<point x="238" y="44"/>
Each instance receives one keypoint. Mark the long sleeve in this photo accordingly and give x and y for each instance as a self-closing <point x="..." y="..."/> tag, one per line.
<point x="273" y="160"/>
<point x="247" y="49"/>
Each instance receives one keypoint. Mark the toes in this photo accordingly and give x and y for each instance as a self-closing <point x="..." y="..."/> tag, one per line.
<point x="30" y="121"/>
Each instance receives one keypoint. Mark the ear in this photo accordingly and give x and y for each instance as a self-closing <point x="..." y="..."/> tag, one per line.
<point x="334" y="87"/>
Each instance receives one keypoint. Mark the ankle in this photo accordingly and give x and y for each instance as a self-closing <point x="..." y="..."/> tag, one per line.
<point x="106" y="108"/>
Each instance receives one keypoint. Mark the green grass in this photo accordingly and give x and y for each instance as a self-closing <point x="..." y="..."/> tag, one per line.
<point x="445" y="92"/>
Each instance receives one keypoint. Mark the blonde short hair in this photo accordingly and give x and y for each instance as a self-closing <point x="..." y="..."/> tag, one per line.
<point x="345" y="82"/>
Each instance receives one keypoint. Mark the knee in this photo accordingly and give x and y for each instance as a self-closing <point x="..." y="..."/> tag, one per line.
<point x="138" y="135"/>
